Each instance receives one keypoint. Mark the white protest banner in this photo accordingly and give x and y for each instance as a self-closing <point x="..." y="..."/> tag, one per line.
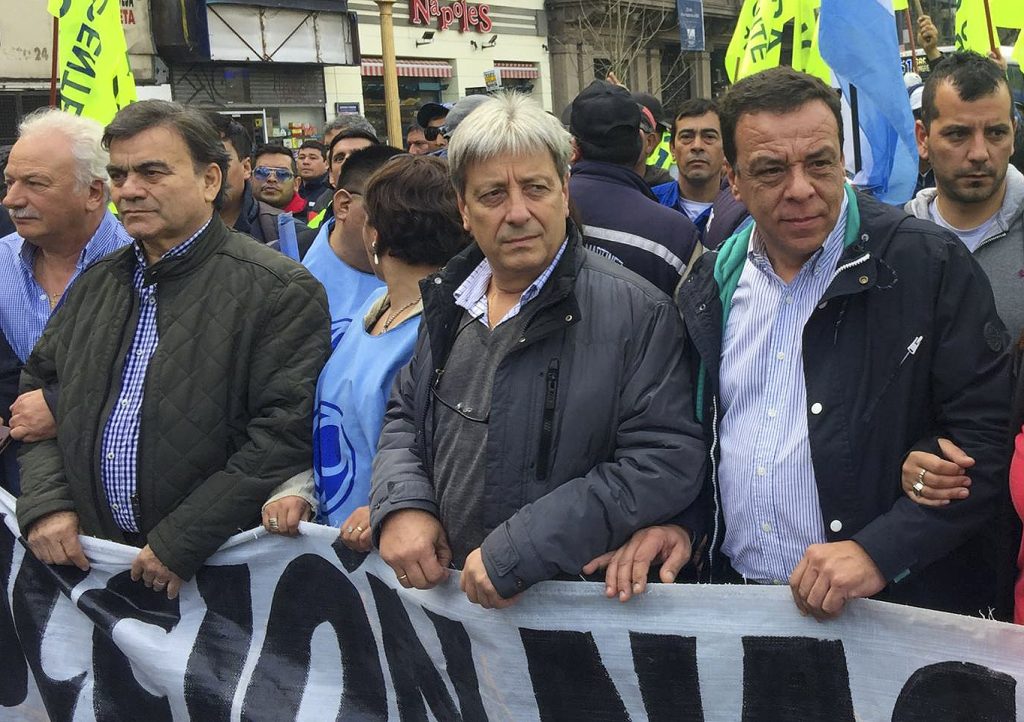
<point x="279" y="629"/>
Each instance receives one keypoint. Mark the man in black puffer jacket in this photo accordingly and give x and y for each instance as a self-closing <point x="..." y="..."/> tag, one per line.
<point x="186" y="362"/>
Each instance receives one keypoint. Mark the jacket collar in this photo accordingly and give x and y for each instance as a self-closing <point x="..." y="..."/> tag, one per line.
<point x="441" y="314"/>
<point x="612" y="173"/>
<point x="206" y="244"/>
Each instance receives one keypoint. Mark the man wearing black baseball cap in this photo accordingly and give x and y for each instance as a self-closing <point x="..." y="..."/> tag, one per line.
<point x="656" y="150"/>
<point x="431" y="116"/>
<point x="621" y="217"/>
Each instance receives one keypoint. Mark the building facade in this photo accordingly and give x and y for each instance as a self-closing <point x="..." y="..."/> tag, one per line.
<point x="443" y="48"/>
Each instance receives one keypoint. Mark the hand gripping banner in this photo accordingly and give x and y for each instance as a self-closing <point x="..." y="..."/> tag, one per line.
<point x="277" y="629"/>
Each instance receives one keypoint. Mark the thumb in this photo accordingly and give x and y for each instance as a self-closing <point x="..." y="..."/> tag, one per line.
<point x="954" y="453"/>
<point x="443" y="551"/>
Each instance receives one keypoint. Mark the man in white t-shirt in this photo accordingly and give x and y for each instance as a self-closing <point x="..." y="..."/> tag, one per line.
<point x="700" y="192"/>
<point x="966" y="132"/>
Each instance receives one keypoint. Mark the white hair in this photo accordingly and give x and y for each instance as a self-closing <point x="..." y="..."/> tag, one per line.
<point x="84" y="135"/>
<point x="507" y="124"/>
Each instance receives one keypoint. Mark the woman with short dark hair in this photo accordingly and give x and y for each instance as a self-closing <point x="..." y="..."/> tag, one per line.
<point x="413" y="227"/>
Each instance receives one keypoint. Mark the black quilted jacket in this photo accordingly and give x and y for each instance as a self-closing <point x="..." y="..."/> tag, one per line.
<point x="226" y="415"/>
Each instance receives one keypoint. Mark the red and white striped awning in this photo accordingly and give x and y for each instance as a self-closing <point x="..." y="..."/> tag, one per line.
<point x="518" y="70"/>
<point x="409" y="68"/>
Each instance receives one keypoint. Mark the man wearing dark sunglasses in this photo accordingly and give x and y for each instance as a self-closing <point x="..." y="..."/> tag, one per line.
<point x="273" y="178"/>
<point x="432" y="117"/>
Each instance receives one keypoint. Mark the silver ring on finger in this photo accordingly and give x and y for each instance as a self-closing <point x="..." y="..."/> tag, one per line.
<point x="349" y="529"/>
<point x="359" y="529"/>
<point x="272" y="522"/>
<point x="918" y="488"/>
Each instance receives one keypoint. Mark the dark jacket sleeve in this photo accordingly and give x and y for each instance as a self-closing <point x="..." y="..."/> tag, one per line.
<point x="970" y="394"/>
<point x="284" y="365"/>
<point x="657" y="470"/>
<point x="44" y="486"/>
<point x="400" y="480"/>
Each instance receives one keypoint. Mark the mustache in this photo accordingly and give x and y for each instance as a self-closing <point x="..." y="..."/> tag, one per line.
<point x="23" y="214"/>
<point x="980" y="170"/>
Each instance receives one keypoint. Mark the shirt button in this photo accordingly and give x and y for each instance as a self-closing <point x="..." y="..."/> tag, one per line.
<point x="789" y="300"/>
<point x="437" y="281"/>
<point x="761" y="471"/>
<point x="42" y="296"/>
<point x="124" y="402"/>
<point x="781" y="356"/>
<point x="115" y="507"/>
<point x="772" y="413"/>
<point x="836" y="526"/>
<point x="152" y="300"/>
<point x="767" y="528"/>
<point x="816" y="408"/>
<point x="110" y="454"/>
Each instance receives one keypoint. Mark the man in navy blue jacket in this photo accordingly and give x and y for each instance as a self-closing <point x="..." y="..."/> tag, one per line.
<point x="621" y="218"/>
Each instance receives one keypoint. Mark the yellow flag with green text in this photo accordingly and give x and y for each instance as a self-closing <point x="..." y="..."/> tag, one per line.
<point x="93" y="74"/>
<point x="806" y="51"/>
<point x="970" y="26"/>
<point x="757" y="41"/>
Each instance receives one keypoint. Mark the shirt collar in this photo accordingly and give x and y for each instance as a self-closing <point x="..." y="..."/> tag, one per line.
<point x="758" y="254"/>
<point x="176" y="251"/>
<point x="475" y="286"/>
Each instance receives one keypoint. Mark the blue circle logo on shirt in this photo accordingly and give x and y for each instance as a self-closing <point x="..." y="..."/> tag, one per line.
<point x="334" y="459"/>
<point x="338" y="328"/>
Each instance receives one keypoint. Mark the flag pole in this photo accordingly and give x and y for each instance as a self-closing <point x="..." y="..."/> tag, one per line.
<point x="53" y="64"/>
<point x="988" y="24"/>
<point x="910" y="34"/>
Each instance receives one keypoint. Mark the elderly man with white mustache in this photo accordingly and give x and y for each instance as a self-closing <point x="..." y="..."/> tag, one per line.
<point x="57" y="196"/>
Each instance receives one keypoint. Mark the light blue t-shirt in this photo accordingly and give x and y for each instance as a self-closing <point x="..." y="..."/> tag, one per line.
<point x="351" y="396"/>
<point x="347" y="288"/>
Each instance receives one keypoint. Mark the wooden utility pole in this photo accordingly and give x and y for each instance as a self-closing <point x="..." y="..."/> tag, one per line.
<point x="392" y="108"/>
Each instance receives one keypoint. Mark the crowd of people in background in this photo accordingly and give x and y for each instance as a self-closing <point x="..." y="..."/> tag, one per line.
<point x="519" y="348"/>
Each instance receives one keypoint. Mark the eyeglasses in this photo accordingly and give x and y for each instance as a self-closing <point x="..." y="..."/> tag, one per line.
<point x="263" y="173"/>
<point x="431" y="133"/>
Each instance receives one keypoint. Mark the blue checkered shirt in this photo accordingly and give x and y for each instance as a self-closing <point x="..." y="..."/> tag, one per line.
<point x="24" y="305"/>
<point x="472" y="293"/>
<point x="118" y="466"/>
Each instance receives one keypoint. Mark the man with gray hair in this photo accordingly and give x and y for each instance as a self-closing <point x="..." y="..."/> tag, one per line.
<point x="57" y="196"/>
<point x="546" y="413"/>
<point x="187" y="397"/>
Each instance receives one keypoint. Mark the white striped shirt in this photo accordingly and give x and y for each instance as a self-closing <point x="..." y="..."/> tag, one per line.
<point x="769" y="492"/>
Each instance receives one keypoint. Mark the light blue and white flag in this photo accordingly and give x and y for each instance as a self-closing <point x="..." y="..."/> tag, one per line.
<point x="858" y="41"/>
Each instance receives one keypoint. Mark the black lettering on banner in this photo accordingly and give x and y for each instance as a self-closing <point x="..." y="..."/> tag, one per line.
<point x="349" y="559"/>
<point x="458" y="657"/>
<point x="222" y="643"/>
<point x="36" y="591"/>
<point x="957" y="691"/>
<point x="568" y="678"/>
<point x="795" y="678"/>
<point x="14" y="680"/>
<point x="117" y="695"/>
<point x="666" y="667"/>
<point x="310" y="592"/>
<point x="415" y="677"/>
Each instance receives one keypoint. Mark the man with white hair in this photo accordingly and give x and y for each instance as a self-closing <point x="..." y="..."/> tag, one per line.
<point x="546" y="413"/>
<point x="57" y="196"/>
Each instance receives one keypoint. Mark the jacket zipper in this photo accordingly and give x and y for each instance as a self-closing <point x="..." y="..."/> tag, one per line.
<point x="915" y="343"/>
<point x="548" y="423"/>
<point x="714" y="487"/>
<point x="851" y="264"/>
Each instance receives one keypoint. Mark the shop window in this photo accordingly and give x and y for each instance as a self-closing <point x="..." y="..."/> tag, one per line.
<point x="412" y="93"/>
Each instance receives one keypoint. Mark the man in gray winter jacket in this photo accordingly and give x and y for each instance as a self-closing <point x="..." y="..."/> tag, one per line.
<point x="966" y="132"/>
<point x="546" y="413"/>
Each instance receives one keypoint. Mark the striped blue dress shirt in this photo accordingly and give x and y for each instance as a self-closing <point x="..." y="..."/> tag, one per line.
<point x="24" y="306"/>
<point x="472" y="293"/>
<point x="120" y="446"/>
<point x="769" y="493"/>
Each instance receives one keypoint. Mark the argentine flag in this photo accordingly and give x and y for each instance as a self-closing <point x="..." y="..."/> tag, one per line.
<point x="858" y="41"/>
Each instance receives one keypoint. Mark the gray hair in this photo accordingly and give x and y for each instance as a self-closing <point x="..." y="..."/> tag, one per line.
<point x="84" y="134"/>
<point x="351" y="121"/>
<point x="509" y="123"/>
